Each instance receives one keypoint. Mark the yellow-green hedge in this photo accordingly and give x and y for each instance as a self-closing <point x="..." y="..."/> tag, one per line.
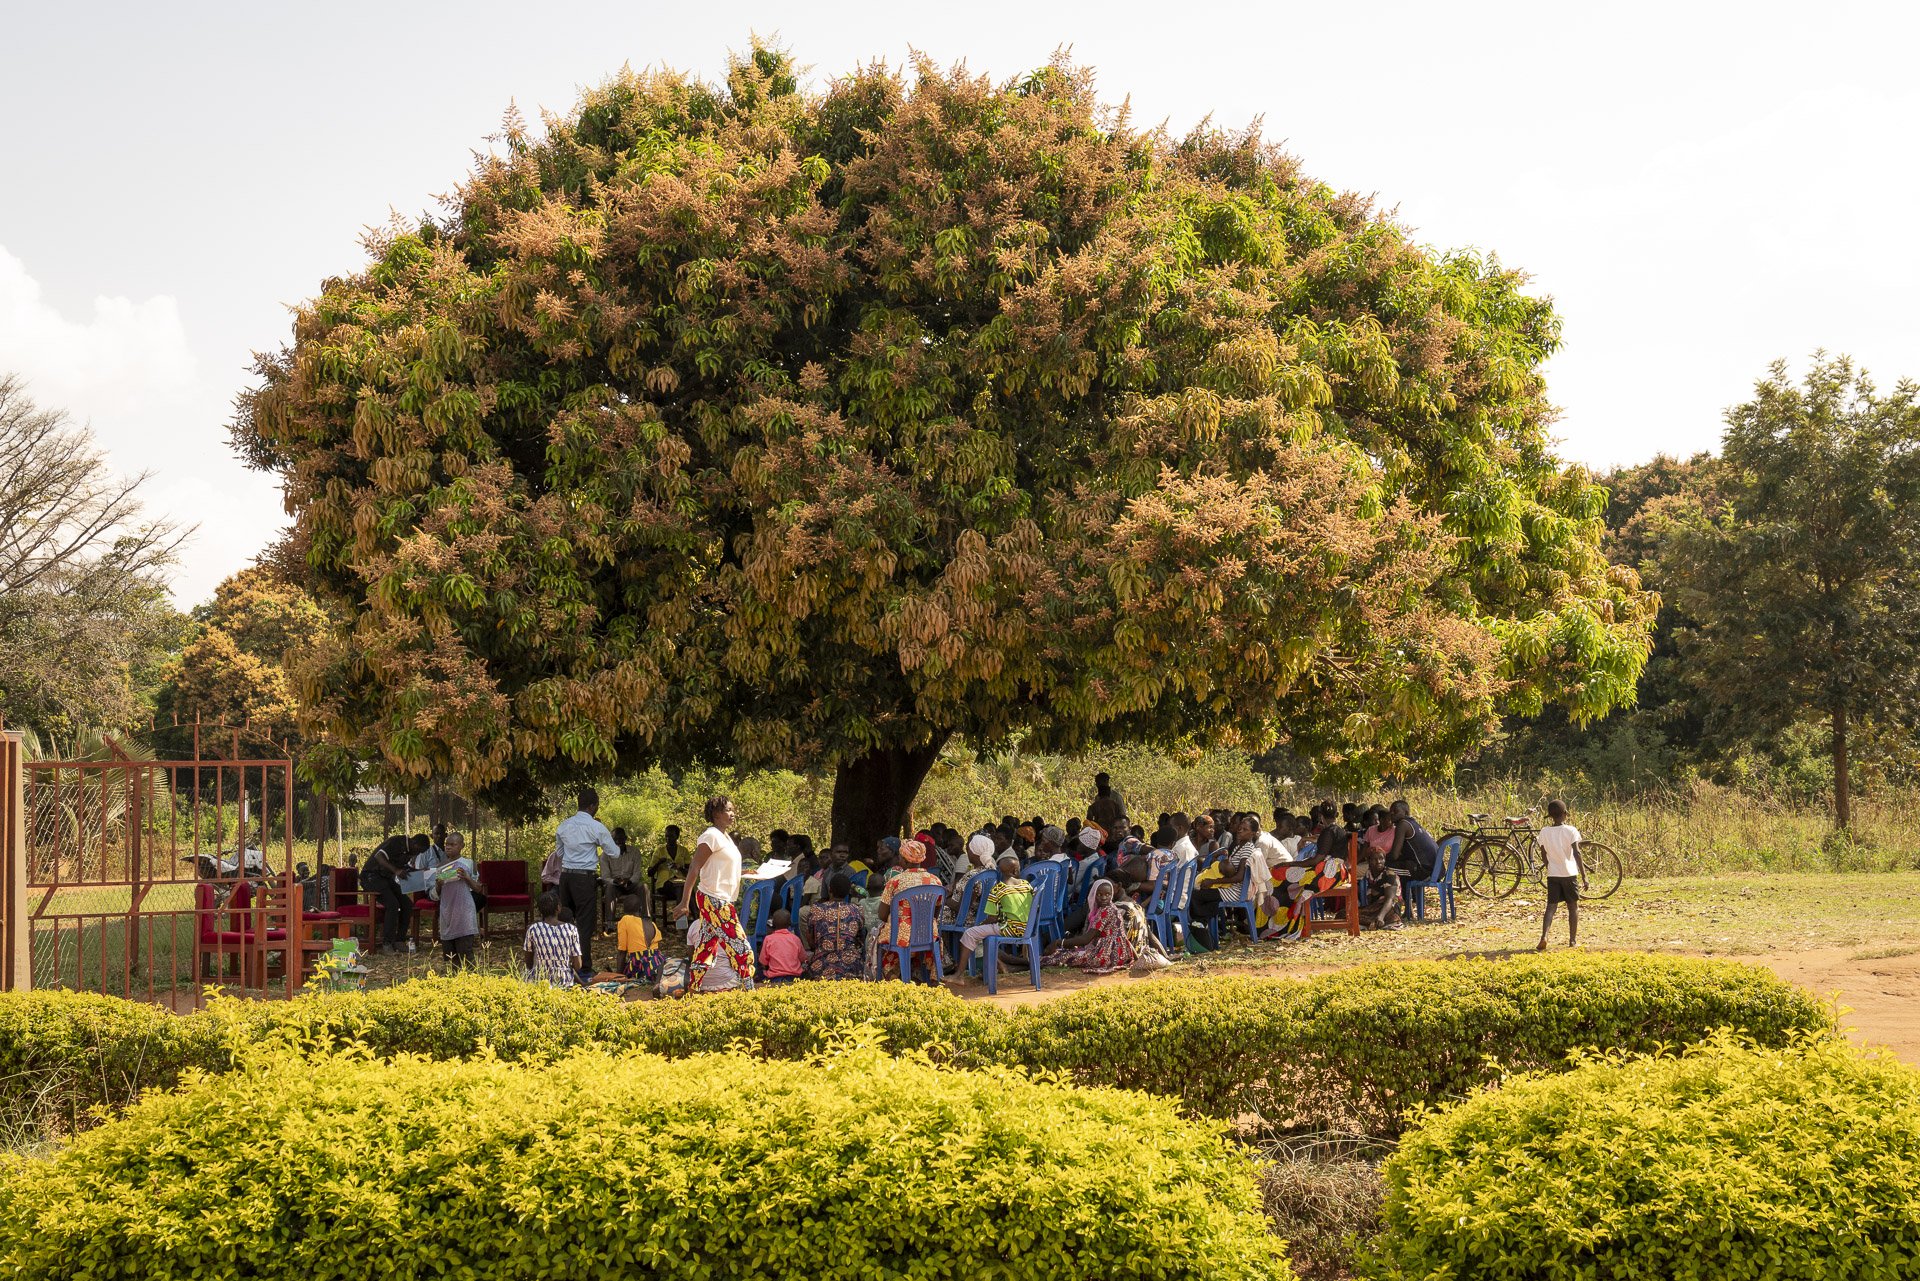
<point x="1728" y="1164"/>
<point x="857" y="1165"/>
<point x="67" y="1057"/>
<point x="1357" y="1048"/>
<point x="1354" y="1049"/>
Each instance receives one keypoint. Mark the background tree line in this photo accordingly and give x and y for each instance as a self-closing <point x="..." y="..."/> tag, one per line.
<point x="1784" y="655"/>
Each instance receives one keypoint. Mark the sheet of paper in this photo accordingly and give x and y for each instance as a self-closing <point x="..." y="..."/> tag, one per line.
<point x="772" y="868"/>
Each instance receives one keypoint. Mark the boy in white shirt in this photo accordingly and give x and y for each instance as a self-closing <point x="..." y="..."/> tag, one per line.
<point x="1560" y="842"/>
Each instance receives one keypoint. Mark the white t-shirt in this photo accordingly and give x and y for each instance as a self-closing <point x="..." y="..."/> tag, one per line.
<point x="1183" y="850"/>
<point x="1270" y="846"/>
<point x="1557" y="843"/>
<point x="720" y="874"/>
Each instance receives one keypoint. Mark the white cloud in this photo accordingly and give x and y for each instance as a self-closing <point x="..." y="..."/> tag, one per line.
<point x="129" y="373"/>
<point x="125" y="360"/>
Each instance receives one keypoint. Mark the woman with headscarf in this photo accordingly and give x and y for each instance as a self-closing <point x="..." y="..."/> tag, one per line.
<point x="835" y="928"/>
<point x="1115" y="933"/>
<point x="911" y="872"/>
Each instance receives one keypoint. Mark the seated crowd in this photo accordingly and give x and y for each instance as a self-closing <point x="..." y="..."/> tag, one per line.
<point x="835" y="915"/>
<point x="1208" y="870"/>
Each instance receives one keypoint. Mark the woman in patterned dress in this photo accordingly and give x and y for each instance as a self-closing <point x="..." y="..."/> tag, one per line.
<point x="1331" y="867"/>
<point x="836" y="927"/>
<point x="911" y="872"/>
<point x="1106" y="944"/>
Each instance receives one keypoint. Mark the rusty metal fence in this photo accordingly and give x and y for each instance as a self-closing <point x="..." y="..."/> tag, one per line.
<point x="116" y="869"/>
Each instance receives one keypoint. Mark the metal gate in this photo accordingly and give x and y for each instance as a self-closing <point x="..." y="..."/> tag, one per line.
<point x="114" y="867"/>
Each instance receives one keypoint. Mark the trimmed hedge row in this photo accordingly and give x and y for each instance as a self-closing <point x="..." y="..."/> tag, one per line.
<point x="66" y="1057"/>
<point x="1356" y="1049"/>
<point x="1728" y="1163"/>
<point x="856" y="1165"/>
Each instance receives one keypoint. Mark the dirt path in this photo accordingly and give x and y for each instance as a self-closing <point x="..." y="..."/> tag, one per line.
<point x="1878" y="989"/>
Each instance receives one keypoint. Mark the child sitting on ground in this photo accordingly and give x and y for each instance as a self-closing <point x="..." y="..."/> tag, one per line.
<point x="1560" y="842"/>
<point x="639" y="941"/>
<point x="1382" y="909"/>
<point x="552" y="949"/>
<point x="783" y="957"/>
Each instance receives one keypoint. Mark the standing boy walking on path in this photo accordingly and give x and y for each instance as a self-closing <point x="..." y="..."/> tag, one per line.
<point x="1560" y="842"/>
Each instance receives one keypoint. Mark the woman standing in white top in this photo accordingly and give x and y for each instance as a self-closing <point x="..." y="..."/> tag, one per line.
<point x="713" y="882"/>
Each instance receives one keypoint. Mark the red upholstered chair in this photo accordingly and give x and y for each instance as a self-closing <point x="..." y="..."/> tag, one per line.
<point x="214" y="941"/>
<point x="505" y="883"/>
<point x="424" y="906"/>
<point x="349" y="903"/>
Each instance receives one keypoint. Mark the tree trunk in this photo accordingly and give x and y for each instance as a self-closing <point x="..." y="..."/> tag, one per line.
<point x="872" y="794"/>
<point x="1842" y="785"/>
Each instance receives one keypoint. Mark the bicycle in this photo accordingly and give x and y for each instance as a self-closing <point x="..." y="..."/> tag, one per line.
<point x="1497" y="858"/>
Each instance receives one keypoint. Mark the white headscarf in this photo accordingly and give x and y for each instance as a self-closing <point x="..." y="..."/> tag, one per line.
<point x="1090" y="837"/>
<point x="981" y="847"/>
<point x="1093" y="897"/>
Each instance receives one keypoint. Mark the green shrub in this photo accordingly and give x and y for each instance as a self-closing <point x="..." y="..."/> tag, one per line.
<point x="798" y="1019"/>
<point x="1354" y="1050"/>
<point x="443" y="1017"/>
<point x="855" y="1165"/>
<point x="1729" y="1163"/>
<point x="66" y="1057"/>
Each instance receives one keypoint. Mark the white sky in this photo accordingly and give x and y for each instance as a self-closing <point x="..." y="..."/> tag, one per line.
<point x="1701" y="188"/>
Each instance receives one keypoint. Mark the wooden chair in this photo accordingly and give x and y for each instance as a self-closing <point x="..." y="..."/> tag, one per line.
<point x="282" y="926"/>
<point x="1349" y="894"/>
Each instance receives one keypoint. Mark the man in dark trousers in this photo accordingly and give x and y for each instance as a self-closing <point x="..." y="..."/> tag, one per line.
<point x="580" y="841"/>
<point x="392" y="860"/>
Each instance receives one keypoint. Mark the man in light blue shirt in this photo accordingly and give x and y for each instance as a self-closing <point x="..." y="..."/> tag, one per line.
<point x="580" y="841"/>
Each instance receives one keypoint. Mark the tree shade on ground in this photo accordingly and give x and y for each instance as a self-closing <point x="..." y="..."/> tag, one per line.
<point x="750" y="423"/>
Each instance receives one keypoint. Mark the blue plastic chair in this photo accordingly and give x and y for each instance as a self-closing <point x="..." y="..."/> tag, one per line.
<point x="1051" y="878"/>
<point x="1156" y="906"/>
<point x="1178" y="904"/>
<point x="790" y="898"/>
<point x="923" y="933"/>
<point x="859" y="880"/>
<point x="973" y="905"/>
<point x="756" y="911"/>
<point x="1034" y="940"/>
<point x="1245" y="908"/>
<point x="1441" y="883"/>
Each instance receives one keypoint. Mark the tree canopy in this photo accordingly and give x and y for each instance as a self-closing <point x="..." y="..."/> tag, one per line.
<point x="84" y="616"/>
<point x="1801" y="589"/>
<point x="235" y="671"/>
<point x="751" y="423"/>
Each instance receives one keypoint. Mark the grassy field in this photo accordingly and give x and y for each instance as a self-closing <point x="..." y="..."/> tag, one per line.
<point x="1701" y="915"/>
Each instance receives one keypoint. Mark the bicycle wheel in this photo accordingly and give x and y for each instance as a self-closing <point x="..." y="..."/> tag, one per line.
<point x="1600" y="871"/>
<point x="1488" y="868"/>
